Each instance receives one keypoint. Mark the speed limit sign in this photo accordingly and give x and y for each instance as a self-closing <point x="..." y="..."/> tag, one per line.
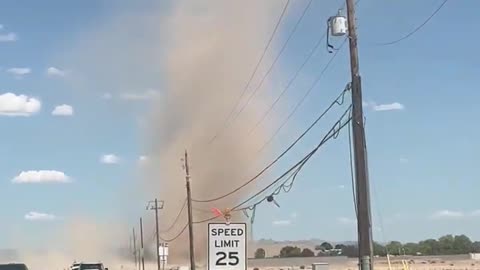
<point x="227" y="246"/>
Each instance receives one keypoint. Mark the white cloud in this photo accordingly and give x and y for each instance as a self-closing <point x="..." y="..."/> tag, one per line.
<point x="53" y="71"/>
<point x="109" y="159"/>
<point x="63" y="110"/>
<point x="10" y="37"/>
<point x="1" y="26"/>
<point x="388" y="107"/>
<point x="281" y="222"/>
<point x="42" y="176"/>
<point x="37" y="216"/>
<point x="294" y="215"/>
<point x="346" y="221"/>
<point x="21" y="105"/>
<point x="341" y="186"/>
<point x="383" y="107"/>
<point x="447" y="214"/>
<point x="403" y="160"/>
<point x="142" y="158"/>
<point x="148" y="94"/>
<point x="19" y="72"/>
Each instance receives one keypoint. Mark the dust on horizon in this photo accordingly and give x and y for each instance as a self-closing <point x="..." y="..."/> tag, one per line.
<point x="197" y="56"/>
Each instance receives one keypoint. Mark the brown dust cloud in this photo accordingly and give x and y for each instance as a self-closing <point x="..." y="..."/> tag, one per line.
<point x="197" y="57"/>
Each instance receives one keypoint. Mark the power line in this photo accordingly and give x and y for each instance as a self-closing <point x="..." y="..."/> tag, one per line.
<point x="176" y="236"/>
<point x="294" y="30"/>
<point x="184" y="228"/>
<point x="416" y="29"/>
<point x="177" y="217"/>
<point x="225" y="123"/>
<point x="312" y="52"/>
<point x="339" y="100"/>
<point x="332" y="133"/>
<point x="319" y="77"/>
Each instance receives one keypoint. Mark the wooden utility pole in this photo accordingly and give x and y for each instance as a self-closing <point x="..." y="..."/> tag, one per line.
<point x="365" y="243"/>
<point x="158" y="235"/>
<point x="142" y="251"/>
<point x="190" y="218"/>
<point x="135" y="247"/>
<point x="156" y="207"/>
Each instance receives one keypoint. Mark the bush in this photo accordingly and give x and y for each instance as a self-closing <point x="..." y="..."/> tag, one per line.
<point x="307" y="253"/>
<point x="260" y="253"/>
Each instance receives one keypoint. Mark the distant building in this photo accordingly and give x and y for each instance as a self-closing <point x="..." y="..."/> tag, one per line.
<point x="475" y="256"/>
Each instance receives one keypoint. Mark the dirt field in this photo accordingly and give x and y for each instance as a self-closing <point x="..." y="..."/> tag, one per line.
<point x="460" y="262"/>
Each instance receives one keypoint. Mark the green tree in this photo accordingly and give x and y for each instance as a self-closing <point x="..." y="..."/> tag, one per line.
<point x="476" y="247"/>
<point x="379" y="250"/>
<point x="429" y="247"/>
<point x="462" y="244"/>
<point x="290" y="251"/>
<point x="260" y="253"/>
<point x="394" y="248"/>
<point x="411" y="248"/>
<point x="307" y="253"/>
<point x="326" y="246"/>
<point x="446" y="244"/>
<point x="350" y="251"/>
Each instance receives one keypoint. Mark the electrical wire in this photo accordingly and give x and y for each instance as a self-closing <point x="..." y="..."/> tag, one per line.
<point x="332" y="133"/>
<point x="225" y="123"/>
<point x="296" y="169"/>
<point x="312" y="51"/>
<point x="275" y="60"/>
<point x="416" y="29"/>
<point x="176" y="236"/>
<point x="319" y="77"/>
<point x="289" y="84"/>
<point x="176" y="218"/>
<point x="339" y="100"/>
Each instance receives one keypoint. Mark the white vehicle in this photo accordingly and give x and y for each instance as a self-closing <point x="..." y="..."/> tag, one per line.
<point x="75" y="266"/>
<point x="87" y="266"/>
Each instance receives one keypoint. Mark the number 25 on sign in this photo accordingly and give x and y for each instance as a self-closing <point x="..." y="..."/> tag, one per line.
<point x="227" y="247"/>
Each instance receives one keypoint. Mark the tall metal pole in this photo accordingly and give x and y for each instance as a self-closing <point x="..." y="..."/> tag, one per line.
<point x="158" y="234"/>
<point x="365" y="243"/>
<point x="190" y="219"/>
<point x="142" y="251"/>
<point x="135" y="247"/>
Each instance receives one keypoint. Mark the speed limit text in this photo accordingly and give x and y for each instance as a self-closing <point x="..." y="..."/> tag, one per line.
<point x="227" y="232"/>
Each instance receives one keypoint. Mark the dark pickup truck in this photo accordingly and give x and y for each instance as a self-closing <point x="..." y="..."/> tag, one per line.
<point x="13" y="266"/>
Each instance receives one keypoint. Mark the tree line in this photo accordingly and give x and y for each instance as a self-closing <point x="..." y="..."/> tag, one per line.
<point x="445" y="245"/>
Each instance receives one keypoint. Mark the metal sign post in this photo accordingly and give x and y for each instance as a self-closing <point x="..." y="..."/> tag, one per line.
<point x="227" y="246"/>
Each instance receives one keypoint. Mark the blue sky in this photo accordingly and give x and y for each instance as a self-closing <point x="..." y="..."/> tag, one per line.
<point x="422" y="157"/>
